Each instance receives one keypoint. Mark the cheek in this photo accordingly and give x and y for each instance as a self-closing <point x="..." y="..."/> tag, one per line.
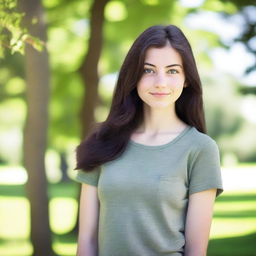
<point x="143" y="85"/>
<point x="177" y="86"/>
<point x="177" y="81"/>
<point x="140" y="91"/>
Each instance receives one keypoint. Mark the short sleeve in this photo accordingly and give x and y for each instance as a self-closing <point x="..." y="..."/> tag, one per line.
<point x="91" y="177"/>
<point x="205" y="172"/>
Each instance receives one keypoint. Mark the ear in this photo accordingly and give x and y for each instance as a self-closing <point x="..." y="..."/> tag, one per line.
<point x="185" y="85"/>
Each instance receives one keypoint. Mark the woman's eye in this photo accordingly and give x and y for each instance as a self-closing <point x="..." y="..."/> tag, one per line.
<point x="173" y="71"/>
<point x="148" y="70"/>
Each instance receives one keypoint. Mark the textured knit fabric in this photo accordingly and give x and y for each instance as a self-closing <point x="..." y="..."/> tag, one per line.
<point x="144" y="194"/>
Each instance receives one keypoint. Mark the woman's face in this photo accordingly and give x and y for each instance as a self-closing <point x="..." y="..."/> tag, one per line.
<point x="163" y="79"/>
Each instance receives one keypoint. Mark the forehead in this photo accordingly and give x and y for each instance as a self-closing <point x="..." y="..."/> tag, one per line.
<point x="166" y="55"/>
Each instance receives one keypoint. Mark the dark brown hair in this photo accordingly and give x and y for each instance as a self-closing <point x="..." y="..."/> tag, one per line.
<point x="108" y="140"/>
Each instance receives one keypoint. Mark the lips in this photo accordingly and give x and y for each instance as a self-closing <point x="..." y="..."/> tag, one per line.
<point x="159" y="93"/>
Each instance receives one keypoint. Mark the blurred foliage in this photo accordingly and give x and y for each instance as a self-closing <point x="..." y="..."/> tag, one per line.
<point x="247" y="90"/>
<point x="226" y="123"/>
<point x="246" y="10"/>
<point x="13" y="35"/>
<point x="68" y="30"/>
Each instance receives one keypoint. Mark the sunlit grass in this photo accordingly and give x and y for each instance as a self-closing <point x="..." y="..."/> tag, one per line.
<point x="14" y="217"/>
<point x="15" y="247"/>
<point x="234" y="214"/>
<point x="233" y="231"/>
<point x="64" y="249"/>
<point x="239" y="207"/>
<point x="12" y="175"/>
<point x="223" y="228"/>
<point x="15" y="214"/>
<point x="62" y="214"/>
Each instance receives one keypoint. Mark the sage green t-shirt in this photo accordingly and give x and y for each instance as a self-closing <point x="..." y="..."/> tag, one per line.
<point x="144" y="194"/>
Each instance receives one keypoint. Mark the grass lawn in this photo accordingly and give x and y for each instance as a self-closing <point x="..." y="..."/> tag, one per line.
<point x="15" y="225"/>
<point x="233" y="230"/>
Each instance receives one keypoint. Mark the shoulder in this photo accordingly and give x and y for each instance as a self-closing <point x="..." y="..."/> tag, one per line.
<point x="204" y="154"/>
<point x="202" y="141"/>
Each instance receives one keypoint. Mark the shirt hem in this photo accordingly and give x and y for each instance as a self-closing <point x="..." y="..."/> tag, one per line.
<point x="203" y="188"/>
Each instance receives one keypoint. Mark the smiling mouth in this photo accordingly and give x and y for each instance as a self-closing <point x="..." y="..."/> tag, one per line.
<point x="160" y="94"/>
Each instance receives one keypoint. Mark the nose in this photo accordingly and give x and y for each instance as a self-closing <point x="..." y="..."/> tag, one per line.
<point x="160" y="81"/>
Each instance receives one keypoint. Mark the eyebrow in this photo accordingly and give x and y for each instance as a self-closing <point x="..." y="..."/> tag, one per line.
<point x="172" y="65"/>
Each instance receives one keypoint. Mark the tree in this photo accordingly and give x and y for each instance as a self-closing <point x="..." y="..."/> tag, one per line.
<point x="89" y="70"/>
<point x="89" y="66"/>
<point x="35" y="131"/>
<point x="245" y="9"/>
<point x="12" y="35"/>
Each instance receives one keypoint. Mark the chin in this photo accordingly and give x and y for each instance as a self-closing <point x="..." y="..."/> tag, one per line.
<point x="159" y="105"/>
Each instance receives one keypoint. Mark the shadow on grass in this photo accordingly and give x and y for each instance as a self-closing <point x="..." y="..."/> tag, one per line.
<point x="66" y="238"/>
<point x="237" y="198"/>
<point x="4" y="241"/>
<point x="235" y="214"/>
<point x="12" y="190"/>
<point x="70" y="189"/>
<point x="234" y="246"/>
<point x="54" y="190"/>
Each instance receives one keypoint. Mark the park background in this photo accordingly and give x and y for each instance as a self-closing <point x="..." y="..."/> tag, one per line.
<point x="58" y="67"/>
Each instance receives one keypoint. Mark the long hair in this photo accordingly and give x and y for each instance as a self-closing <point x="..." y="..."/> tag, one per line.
<point x="108" y="140"/>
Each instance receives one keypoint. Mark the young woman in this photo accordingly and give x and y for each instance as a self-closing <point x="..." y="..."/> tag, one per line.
<point x="149" y="173"/>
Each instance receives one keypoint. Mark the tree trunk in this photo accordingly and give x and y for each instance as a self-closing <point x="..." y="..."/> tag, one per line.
<point x="89" y="71"/>
<point x="35" y="130"/>
<point x="89" y="67"/>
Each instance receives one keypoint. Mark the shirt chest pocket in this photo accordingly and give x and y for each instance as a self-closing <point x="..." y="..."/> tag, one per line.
<point x="172" y="190"/>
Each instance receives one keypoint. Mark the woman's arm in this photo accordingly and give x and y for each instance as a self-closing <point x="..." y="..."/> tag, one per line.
<point x="88" y="222"/>
<point x="198" y="222"/>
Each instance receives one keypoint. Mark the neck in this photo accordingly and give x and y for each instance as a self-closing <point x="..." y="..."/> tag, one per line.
<point x="159" y="120"/>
